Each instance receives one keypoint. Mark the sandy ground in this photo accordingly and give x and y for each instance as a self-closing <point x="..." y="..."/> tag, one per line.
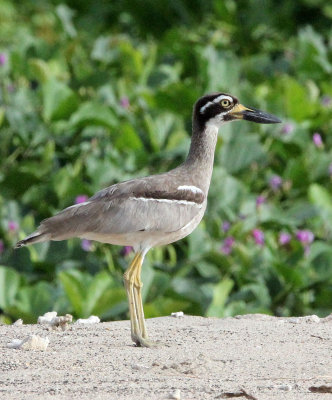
<point x="249" y="357"/>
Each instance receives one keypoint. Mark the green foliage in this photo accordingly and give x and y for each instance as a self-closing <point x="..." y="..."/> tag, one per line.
<point x="93" y="93"/>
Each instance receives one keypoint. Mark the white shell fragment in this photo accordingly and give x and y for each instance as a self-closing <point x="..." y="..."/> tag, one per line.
<point x="91" y="320"/>
<point x="47" y="318"/>
<point x="19" y="322"/>
<point x="176" y="395"/>
<point x="15" y="344"/>
<point x="30" y="343"/>
<point x="55" y="321"/>
<point x="177" y="314"/>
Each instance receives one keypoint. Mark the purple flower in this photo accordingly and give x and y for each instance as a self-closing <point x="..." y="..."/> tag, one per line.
<point x="226" y="226"/>
<point x="126" y="250"/>
<point x="12" y="226"/>
<point x="326" y="101"/>
<point x="81" y="198"/>
<point x="227" y="246"/>
<point x="330" y="170"/>
<point x="3" y="59"/>
<point x="2" y="246"/>
<point x="287" y="128"/>
<point x="284" y="238"/>
<point x="305" y="236"/>
<point x="124" y="102"/>
<point x="275" y="182"/>
<point x="10" y="88"/>
<point x="258" y="236"/>
<point x="86" y="245"/>
<point x="260" y="200"/>
<point x="317" y="139"/>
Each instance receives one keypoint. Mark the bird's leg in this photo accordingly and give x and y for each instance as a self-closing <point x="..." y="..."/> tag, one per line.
<point x="129" y="285"/>
<point x="133" y="285"/>
<point x="138" y="297"/>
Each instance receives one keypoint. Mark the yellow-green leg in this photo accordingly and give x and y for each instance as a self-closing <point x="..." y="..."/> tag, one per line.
<point x="133" y="285"/>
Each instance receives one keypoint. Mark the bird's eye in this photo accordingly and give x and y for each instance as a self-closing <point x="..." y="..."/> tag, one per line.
<point x="225" y="103"/>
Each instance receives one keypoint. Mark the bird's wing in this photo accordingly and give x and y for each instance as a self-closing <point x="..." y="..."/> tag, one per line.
<point x="146" y="204"/>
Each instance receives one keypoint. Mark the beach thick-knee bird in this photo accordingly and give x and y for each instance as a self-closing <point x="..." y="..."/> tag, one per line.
<point x="154" y="210"/>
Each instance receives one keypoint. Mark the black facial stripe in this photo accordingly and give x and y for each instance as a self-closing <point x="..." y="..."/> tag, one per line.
<point x="212" y="109"/>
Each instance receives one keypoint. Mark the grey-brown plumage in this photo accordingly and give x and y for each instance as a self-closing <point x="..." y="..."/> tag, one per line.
<point x="154" y="210"/>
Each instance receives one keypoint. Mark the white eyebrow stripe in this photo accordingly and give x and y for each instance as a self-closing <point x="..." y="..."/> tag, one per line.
<point x="193" y="189"/>
<point x="216" y="100"/>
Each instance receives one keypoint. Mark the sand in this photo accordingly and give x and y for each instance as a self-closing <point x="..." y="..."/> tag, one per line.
<point x="248" y="357"/>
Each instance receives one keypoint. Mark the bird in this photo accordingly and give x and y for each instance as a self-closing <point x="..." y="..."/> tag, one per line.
<point x="154" y="210"/>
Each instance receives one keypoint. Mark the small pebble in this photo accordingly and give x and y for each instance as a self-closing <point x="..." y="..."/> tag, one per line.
<point x="19" y="322"/>
<point x="177" y="314"/>
<point x="55" y="321"/>
<point x="294" y="320"/>
<point x="176" y="395"/>
<point x="14" y="344"/>
<point x="30" y="343"/>
<point x="286" y="388"/>
<point x="47" y="317"/>
<point x="140" y="367"/>
<point x="91" y="320"/>
<point x="313" y="318"/>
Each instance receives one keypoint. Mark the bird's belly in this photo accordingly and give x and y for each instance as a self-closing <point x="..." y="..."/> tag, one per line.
<point x="146" y="239"/>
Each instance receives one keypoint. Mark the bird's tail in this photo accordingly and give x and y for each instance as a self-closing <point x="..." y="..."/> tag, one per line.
<point x="35" y="237"/>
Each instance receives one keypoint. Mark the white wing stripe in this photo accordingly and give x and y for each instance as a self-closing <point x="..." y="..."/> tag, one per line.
<point x="193" y="189"/>
<point x="184" y="202"/>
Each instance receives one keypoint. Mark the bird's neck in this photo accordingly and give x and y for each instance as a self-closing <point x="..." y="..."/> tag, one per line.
<point x="201" y="155"/>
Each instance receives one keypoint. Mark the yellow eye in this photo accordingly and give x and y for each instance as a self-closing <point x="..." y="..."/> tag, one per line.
<point x="225" y="103"/>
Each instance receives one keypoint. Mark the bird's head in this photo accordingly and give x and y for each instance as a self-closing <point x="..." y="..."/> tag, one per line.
<point x="218" y="108"/>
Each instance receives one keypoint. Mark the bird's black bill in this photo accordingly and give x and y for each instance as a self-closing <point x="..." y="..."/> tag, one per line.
<point x="251" y="114"/>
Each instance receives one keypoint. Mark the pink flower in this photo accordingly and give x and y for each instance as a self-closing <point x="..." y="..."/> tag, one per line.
<point x="258" y="236"/>
<point x="124" y="102"/>
<point x="3" y="59"/>
<point x="287" y="128"/>
<point x="126" y="250"/>
<point x="326" y="101"/>
<point x="228" y="244"/>
<point x="275" y="182"/>
<point x="81" y="198"/>
<point x="2" y="246"/>
<point x="317" y="139"/>
<point x="260" y="200"/>
<point x="86" y="245"/>
<point x="305" y="236"/>
<point x="225" y="226"/>
<point x="284" y="238"/>
<point x="12" y="226"/>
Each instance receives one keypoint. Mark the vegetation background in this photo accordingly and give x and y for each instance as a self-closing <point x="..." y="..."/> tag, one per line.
<point x="96" y="92"/>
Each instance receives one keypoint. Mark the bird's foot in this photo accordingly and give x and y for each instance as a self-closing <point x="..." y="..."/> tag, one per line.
<point x="144" y="342"/>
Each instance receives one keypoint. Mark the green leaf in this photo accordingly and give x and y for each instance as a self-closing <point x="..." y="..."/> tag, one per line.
<point x="93" y="114"/>
<point x="91" y="294"/>
<point x="59" y="100"/>
<point x="65" y="15"/>
<point x="9" y="285"/>
<point x="220" y="295"/>
<point x="73" y="282"/>
<point x="298" y="105"/>
<point x="319" y="196"/>
<point x="241" y="151"/>
<point x="33" y="301"/>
